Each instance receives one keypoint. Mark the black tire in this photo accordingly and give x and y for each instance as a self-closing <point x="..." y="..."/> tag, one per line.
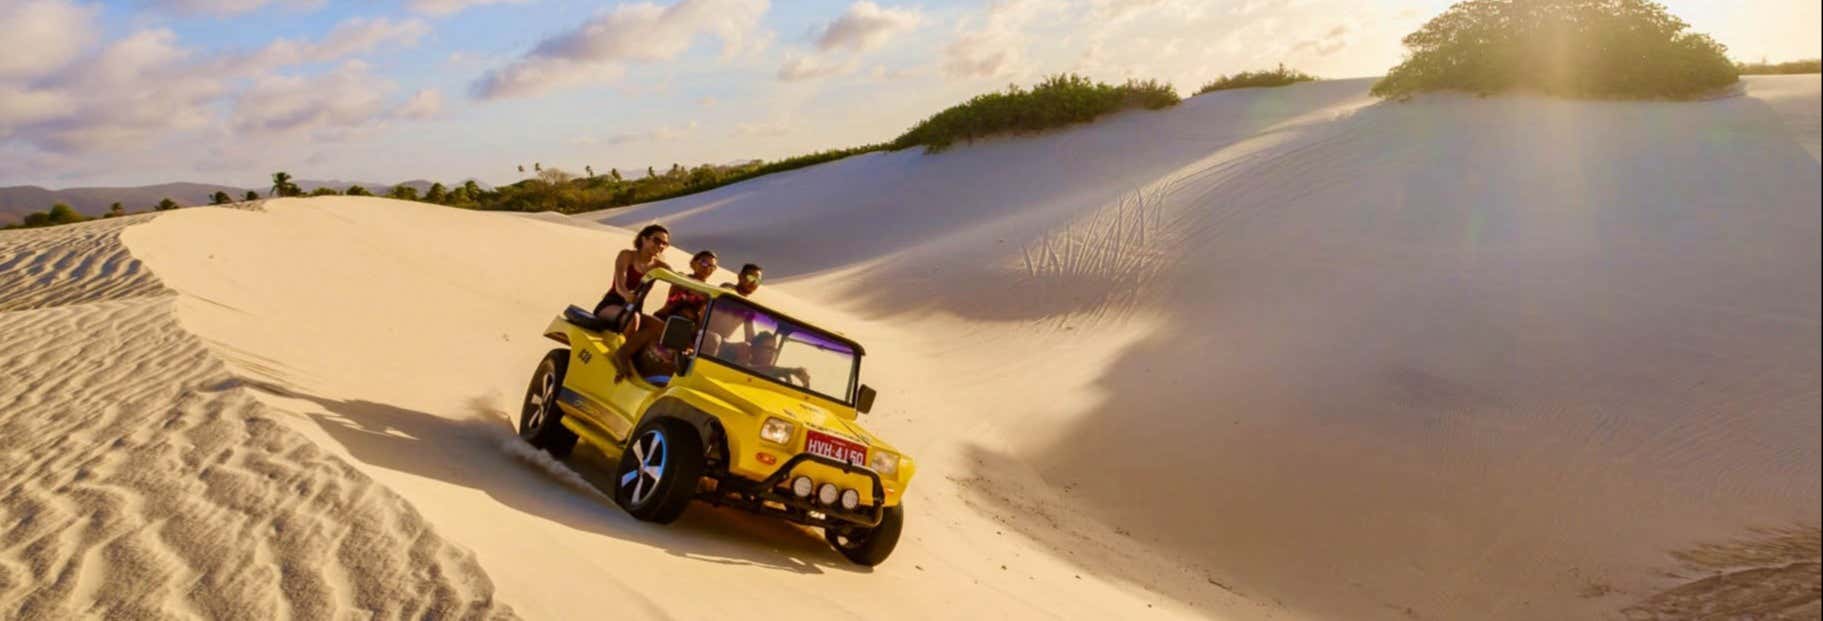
<point x="659" y="470"/>
<point x="540" y="420"/>
<point x="869" y="546"/>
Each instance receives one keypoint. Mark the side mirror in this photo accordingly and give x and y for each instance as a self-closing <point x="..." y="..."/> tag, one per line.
<point x="680" y="334"/>
<point x="864" y="399"/>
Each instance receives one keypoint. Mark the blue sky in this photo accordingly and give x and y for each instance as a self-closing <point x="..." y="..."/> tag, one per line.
<point x="145" y="91"/>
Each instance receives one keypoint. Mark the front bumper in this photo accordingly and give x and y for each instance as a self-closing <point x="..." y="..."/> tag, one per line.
<point x="765" y="497"/>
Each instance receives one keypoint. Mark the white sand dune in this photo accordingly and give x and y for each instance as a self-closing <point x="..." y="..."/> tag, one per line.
<point x="138" y="481"/>
<point x="1281" y="353"/>
<point x="1467" y="358"/>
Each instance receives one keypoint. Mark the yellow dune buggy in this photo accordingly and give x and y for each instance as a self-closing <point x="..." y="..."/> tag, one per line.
<point x="759" y="414"/>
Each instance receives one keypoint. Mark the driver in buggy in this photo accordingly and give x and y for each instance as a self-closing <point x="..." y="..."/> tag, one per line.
<point x="763" y="358"/>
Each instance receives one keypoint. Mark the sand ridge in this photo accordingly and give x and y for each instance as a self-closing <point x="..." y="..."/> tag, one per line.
<point x="139" y="480"/>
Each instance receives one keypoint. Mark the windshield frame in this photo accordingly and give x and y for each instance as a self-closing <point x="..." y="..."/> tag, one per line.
<point x="854" y="372"/>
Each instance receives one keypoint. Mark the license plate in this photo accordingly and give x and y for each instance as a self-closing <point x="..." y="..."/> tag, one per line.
<point x="818" y="443"/>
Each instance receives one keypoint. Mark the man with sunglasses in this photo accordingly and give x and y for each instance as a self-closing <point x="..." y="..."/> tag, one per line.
<point x="749" y="281"/>
<point x="722" y="327"/>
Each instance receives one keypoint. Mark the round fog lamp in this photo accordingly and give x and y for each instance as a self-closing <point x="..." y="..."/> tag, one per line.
<point x="801" y="487"/>
<point x="827" y="494"/>
<point x="850" y="499"/>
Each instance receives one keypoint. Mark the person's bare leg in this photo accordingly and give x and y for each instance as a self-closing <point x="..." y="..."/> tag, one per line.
<point x="623" y="357"/>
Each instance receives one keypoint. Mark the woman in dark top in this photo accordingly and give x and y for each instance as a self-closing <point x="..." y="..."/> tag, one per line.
<point x="629" y="267"/>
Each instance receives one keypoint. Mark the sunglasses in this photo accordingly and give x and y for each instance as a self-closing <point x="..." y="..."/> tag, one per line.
<point x="752" y="278"/>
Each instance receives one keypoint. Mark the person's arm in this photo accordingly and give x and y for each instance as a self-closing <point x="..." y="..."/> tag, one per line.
<point x="621" y="262"/>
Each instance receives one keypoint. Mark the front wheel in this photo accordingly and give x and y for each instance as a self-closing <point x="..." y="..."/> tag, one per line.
<point x="541" y="421"/>
<point x="869" y="546"/>
<point x="659" y="471"/>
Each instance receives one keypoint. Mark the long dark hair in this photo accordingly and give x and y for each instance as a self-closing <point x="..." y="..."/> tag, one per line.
<point x="648" y="233"/>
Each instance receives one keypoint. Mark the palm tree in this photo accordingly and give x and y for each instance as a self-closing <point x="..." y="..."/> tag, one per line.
<point x="614" y="173"/>
<point x="590" y="170"/>
<point x="251" y="196"/>
<point x="116" y="210"/>
<point x="220" y="198"/>
<point x="536" y="167"/>
<point x="282" y="185"/>
<point x="522" y="169"/>
<point x="436" y="194"/>
<point x="166" y="205"/>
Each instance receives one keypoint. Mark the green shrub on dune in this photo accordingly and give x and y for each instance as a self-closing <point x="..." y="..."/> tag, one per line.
<point x="1251" y="79"/>
<point x="1622" y="49"/>
<point x="1056" y="102"/>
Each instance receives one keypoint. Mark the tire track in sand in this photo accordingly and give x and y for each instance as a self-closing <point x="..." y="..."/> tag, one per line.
<point x="138" y="480"/>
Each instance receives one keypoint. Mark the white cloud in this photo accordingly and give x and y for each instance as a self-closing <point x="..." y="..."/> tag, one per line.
<point x="423" y="105"/>
<point x="663" y="133"/>
<point x="1118" y="9"/>
<point x="325" y="106"/>
<point x="763" y="129"/>
<point x="228" y="7"/>
<point x="19" y="107"/>
<point x="809" y="67"/>
<point x="353" y="36"/>
<point x="1329" y="43"/>
<point x="997" y="46"/>
<point x="600" y="49"/>
<point x="447" y="7"/>
<point x="136" y="91"/>
<point x="865" y="26"/>
<point x="134" y="88"/>
<point x="41" y="36"/>
<point x="882" y="72"/>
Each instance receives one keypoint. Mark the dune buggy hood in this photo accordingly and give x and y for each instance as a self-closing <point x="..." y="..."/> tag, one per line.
<point x="773" y="400"/>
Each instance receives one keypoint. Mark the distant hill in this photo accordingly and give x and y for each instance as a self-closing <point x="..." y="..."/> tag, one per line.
<point x="16" y="201"/>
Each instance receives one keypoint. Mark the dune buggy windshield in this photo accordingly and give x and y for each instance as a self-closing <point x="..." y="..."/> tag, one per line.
<point x="780" y="349"/>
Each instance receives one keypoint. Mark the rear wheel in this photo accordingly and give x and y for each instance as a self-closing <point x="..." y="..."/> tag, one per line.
<point x="869" y="546"/>
<point x="541" y="421"/>
<point x="659" y="470"/>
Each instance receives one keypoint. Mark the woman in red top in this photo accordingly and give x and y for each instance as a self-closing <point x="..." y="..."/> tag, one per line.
<point x="629" y="267"/>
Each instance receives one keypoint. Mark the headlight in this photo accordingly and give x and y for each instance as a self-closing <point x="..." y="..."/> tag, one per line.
<point x="776" y="431"/>
<point x="887" y="464"/>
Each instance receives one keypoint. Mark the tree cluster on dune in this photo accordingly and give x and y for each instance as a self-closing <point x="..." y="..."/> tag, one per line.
<point x="1058" y="101"/>
<point x="1280" y="76"/>
<point x="1609" y="49"/>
